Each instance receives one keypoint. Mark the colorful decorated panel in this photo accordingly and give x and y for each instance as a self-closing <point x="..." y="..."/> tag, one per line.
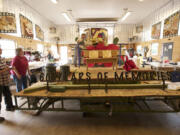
<point x="99" y="35"/>
<point x="156" y="31"/>
<point x="171" y="25"/>
<point x="39" y="33"/>
<point x="26" y="27"/>
<point x="7" y="23"/>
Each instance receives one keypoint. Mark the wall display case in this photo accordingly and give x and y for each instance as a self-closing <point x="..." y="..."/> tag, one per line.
<point x="26" y="27"/>
<point x="171" y="25"/>
<point x="7" y="22"/>
<point x="156" y="31"/>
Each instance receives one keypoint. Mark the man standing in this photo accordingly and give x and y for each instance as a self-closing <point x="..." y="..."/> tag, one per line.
<point x="4" y="85"/>
<point x="78" y="49"/>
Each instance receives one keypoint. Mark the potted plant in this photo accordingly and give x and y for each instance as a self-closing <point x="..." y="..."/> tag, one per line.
<point x="115" y="40"/>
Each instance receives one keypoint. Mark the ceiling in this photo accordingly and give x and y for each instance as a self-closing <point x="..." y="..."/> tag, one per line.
<point x="95" y="9"/>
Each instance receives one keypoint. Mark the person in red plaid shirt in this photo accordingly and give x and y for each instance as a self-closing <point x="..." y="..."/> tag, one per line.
<point x="4" y="85"/>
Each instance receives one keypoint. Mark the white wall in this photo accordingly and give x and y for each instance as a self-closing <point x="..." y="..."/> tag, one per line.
<point x="17" y="7"/>
<point x="159" y="15"/>
<point x="1" y="6"/>
<point x="123" y="32"/>
<point x="67" y="33"/>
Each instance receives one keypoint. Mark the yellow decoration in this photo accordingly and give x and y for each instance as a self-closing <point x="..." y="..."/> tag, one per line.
<point x="93" y="54"/>
<point x="107" y="54"/>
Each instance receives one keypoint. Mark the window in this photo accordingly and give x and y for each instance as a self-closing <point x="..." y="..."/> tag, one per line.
<point x="54" y="51"/>
<point x="139" y="49"/>
<point x="8" y="48"/>
<point x="64" y="55"/>
<point x="154" y="49"/>
<point x="40" y="48"/>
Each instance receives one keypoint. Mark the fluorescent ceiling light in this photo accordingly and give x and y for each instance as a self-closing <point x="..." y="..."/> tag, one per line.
<point x="66" y="16"/>
<point x="125" y="16"/>
<point x="110" y="22"/>
<point x="55" y="1"/>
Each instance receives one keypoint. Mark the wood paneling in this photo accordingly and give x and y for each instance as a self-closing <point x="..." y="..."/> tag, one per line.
<point x="24" y="42"/>
<point x="176" y="48"/>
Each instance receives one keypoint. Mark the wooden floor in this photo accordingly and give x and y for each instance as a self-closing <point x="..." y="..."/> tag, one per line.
<point x="63" y="123"/>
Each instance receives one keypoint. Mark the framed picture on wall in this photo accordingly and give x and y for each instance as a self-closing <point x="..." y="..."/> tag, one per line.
<point x="52" y="30"/>
<point x="7" y="22"/>
<point x="171" y="25"/>
<point x="154" y="49"/>
<point x="26" y="27"/>
<point x="139" y="29"/>
<point x="156" y="31"/>
<point x="39" y="33"/>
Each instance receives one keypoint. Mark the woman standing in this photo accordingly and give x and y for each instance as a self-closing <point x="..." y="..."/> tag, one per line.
<point x="20" y="68"/>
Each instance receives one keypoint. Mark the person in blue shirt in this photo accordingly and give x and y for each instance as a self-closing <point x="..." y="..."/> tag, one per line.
<point x="78" y="50"/>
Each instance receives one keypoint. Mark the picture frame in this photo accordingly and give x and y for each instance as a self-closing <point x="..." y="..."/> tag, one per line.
<point x="26" y="27"/>
<point x="39" y="32"/>
<point x="171" y="25"/>
<point x="7" y="23"/>
<point x="156" y="31"/>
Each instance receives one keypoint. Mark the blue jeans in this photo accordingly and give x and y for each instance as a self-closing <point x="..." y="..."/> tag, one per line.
<point x="77" y="55"/>
<point x="20" y="83"/>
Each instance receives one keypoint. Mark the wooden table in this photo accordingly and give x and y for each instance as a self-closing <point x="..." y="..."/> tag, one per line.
<point x="165" y="67"/>
<point x="114" y="60"/>
<point x="120" y="100"/>
<point x="100" y="93"/>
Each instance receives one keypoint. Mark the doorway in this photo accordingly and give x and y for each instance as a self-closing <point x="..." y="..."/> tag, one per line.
<point x="64" y="54"/>
<point x="168" y="50"/>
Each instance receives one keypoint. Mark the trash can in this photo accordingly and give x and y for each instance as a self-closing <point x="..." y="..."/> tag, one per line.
<point x="50" y="70"/>
<point x="65" y="71"/>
